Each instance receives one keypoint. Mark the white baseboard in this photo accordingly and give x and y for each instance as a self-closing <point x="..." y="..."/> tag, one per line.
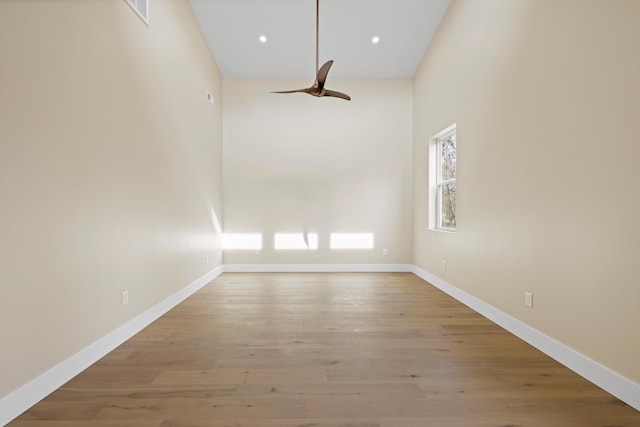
<point x="318" y="268"/>
<point x="31" y="393"/>
<point x="28" y="395"/>
<point x="610" y="381"/>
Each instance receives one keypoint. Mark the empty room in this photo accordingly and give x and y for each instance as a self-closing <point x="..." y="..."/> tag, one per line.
<point x="245" y="213"/>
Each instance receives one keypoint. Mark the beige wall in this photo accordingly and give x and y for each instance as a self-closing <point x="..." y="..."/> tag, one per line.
<point x="111" y="159"/>
<point x="546" y="97"/>
<point x="294" y="163"/>
<point x="110" y="169"/>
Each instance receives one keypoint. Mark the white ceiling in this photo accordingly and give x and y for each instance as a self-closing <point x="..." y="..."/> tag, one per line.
<point x="405" y="28"/>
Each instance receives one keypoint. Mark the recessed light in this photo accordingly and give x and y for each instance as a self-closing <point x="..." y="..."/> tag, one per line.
<point x="375" y="40"/>
<point x="263" y="39"/>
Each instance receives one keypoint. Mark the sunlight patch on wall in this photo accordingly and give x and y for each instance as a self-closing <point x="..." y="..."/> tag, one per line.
<point x="295" y="241"/>
<point x="242" y="241"/>
<point x="215" y="222"/>
<point x="351" y="240"/>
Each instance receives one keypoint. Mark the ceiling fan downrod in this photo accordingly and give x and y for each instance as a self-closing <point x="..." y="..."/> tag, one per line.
<point x="318" y="89"/>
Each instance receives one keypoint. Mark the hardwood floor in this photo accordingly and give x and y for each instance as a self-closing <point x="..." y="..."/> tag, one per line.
<point x="326" y="350"/>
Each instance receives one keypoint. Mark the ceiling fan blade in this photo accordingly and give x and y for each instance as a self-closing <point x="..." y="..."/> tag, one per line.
<point x="305" y="90"/>
<point x="336" y="94"/>
<point x="322" y="73"/>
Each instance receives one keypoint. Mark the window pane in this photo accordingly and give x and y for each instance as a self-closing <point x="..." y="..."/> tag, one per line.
<point x="448" y="206"/>
<point x="448" y="156"/>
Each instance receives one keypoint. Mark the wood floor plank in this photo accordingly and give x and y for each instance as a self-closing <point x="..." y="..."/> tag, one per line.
<point x="301" y="422"/>
<point x="542" y="420"/>
<point x="83" y="423"/>
<point x="326" y="350"/>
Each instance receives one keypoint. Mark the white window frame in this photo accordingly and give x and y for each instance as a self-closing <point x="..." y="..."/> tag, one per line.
<point x="435" y="179"/>
<point x="141" y="8"/>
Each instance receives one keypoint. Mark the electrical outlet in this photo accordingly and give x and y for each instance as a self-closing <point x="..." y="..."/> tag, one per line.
<point x="125" y="297"/>
<point x="444" y="264"/>
<point x="385" y="252"/>
<point x="257" y="252"/>
<point x="528" y="299"/>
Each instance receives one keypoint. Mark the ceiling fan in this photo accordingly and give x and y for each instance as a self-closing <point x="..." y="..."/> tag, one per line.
<point x="318" y="89"/>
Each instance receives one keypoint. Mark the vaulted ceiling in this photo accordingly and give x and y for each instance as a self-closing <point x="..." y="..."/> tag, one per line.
<point x="233" y="29"/>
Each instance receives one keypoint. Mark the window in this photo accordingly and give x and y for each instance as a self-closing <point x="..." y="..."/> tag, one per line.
<point x="442" y="179"/>
<point x="141" y="8"/>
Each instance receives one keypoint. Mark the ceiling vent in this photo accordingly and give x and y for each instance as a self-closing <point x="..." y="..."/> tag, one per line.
<point x="141" y="8"/>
